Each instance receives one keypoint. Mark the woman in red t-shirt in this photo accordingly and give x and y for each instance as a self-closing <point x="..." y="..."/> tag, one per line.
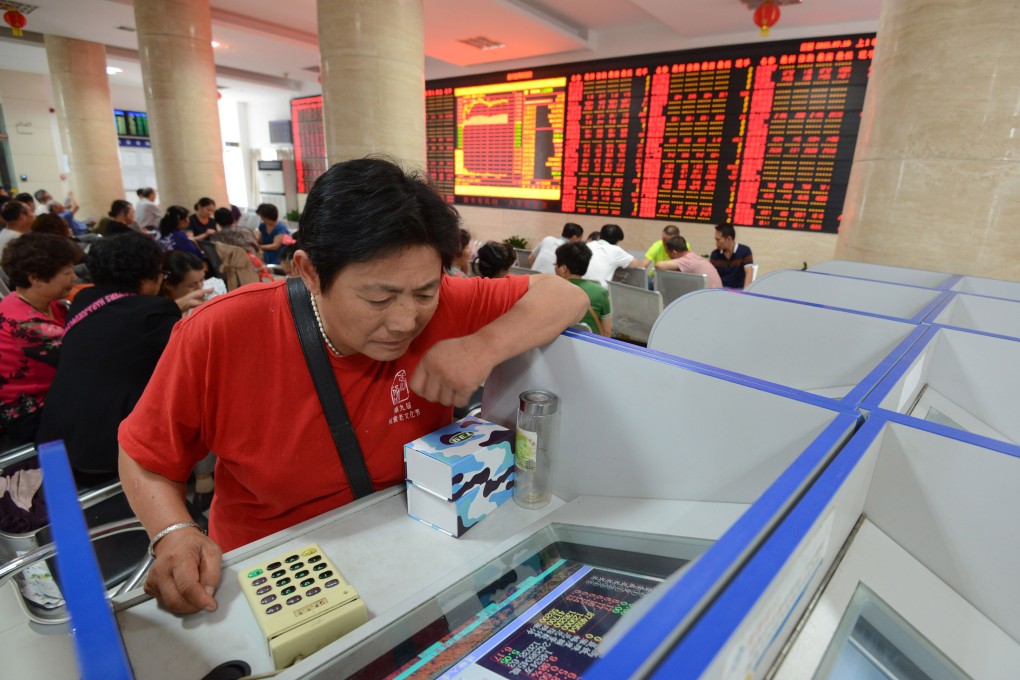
<point x="41" y="269"/>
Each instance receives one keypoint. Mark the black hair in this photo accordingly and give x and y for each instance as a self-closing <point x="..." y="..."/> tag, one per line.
<point x="369" y="208"/>
<point x="594" y="236"/>
<point x="268" y="210"/>
<point x="465" y="238"/>
<point x="145" y="192"/>
<point x="12" y="210"/>
<point x="494" y="259"/>
<point x="177" y="264"/>
<point x="171" y="218"/>
<point x="223" y="217"/>
<point x="124" y="261"/>
<point x="203" y="202"/>
<point x="39" y="255"/>
<point x="676" y="244"/>
<point x="671" y="230"/>
<point x="118" y="207"/>
<point x="726" y="230"/>
<point x="40" y="194"/>
<point x="571" y="230"/>
<point x="575" y="256"/>
<point x="25" y="197"/>
<point x="611" y="233"/>
<point x="48" y="223"/>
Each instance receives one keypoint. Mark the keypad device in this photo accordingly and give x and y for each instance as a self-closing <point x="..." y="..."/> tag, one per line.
<point x="285" y="596"/>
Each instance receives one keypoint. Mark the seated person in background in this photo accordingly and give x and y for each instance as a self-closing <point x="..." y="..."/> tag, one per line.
<point x="115" y="334"/>
<point x="245" y="239"/>
<point x="272" y="232"/>
<point x="543" y="258"/>
<point x="173" y="232"/>
<point x="732" y="260"/>
<point x="51" y="224"/>
<point x="683" y="260"/>
<point x="43" y="199"/>
<point x="183" y="280"/>
<point x="68" y="212"/>
<point x="375" y="245"/>
<point x="593" y="236"/>
<point x="571" y="263"/>
<point x="18" y="219"/>
<point x="147" y="213"/>
<point x="657" y="251"/>
<point x="606" y="255"/>
<point x="494" y="260"/>
<point x="461" y="265"/>
<point x="201" y="224"/>
<point x="118" y="220"/>
<point x="41" y="268"/>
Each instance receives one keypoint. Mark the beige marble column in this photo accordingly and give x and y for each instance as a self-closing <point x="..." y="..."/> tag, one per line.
<point x="175" y="48"/>
<point x="373" y="78"/>
<point x="81" y="90"/>
<point x="935" y="182"/>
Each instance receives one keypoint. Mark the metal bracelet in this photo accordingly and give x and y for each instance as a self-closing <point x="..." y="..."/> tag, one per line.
<point x="166" y="532"/>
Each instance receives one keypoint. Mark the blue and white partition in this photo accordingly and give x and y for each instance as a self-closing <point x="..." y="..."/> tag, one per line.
<point x="995" y="316"/>
<point x="639" y="424"/>
<point x="961" y="379"/>
<point x="827" y="352"/>
<point x="887" y="273"/>
<point x="893" y="300"/>
<point x="997" y="288"/>
<point x="925" y="517"/>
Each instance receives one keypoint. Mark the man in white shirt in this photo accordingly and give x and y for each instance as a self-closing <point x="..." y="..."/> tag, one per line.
<point x="543" y="258"/>
<point x="606" y="255"/>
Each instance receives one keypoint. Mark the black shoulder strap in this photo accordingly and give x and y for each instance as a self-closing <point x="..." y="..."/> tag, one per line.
<point x="329" y="393"/>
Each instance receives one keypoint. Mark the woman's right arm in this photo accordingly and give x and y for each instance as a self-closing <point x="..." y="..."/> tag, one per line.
<point x="187" y="568"/>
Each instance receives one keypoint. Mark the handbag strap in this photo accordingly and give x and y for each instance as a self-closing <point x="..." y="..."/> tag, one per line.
<point x="329" y="393"/>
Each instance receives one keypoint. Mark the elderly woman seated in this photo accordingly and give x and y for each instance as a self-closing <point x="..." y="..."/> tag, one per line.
<point x="115" y="334"/>
<point x="41" y="269"/>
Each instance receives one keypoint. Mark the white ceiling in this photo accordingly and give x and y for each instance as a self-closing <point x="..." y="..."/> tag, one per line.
<point x="270" y="47"/>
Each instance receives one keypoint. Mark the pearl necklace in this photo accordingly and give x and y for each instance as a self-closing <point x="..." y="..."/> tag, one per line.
<point x="322" y="331"/>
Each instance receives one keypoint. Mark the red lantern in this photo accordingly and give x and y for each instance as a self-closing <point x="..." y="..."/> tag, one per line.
<point x="16" y="20"/>
<point x="766" y="16"/>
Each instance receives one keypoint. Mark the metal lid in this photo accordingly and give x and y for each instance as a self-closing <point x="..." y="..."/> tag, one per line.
<point x="539" y="403"/>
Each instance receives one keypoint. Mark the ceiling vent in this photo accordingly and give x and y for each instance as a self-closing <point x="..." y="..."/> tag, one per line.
<point x="482" y="43"/>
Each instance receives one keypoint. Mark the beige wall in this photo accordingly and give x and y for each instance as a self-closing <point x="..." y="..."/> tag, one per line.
<point x="773" y="248"/>
<point x="32" y="131"/>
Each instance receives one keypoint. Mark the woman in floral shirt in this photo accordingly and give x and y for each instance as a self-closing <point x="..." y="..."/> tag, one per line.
<point x="41" y="269"/>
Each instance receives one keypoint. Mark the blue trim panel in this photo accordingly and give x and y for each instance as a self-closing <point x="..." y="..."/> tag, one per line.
<point x="713" y="371"/>
<point x="874" y="378"/>
<point x="963" y="436"/>
<point x="97" y="642"/>
<point x="702" y="643"/>
<point x="722" y="560"/>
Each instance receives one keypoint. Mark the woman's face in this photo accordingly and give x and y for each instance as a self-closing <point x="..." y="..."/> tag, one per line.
<point x="57" y="288"/>
<point x="182" y="224"/>
<point x="128" y="216"/>
<point x="191" y="282"/>
<point x="206" y="211"/>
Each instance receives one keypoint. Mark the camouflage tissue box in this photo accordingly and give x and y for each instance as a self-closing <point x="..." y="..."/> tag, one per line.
<point x="459" y="474"/>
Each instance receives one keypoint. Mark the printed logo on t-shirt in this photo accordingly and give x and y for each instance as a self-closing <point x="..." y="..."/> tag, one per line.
<point x="399" y="390"/>
<point x="400" y="395"/>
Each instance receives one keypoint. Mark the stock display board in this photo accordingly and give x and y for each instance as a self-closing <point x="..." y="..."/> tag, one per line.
<point x="759" y="134"/>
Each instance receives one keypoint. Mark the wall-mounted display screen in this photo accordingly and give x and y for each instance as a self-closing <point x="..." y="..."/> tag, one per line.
<point x="309" y="141"/>
<point x="131" y="123"/>
<point x="760" y="134"/>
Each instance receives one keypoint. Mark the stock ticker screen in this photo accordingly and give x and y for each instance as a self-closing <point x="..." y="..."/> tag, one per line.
<point x="760" y="134"/>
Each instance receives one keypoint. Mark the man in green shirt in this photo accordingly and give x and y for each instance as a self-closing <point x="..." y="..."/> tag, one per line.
<point x="657" y="251"/>
<point x="572" y="260"/>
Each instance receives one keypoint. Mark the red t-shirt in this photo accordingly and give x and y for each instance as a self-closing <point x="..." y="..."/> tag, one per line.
<point x="233" y="380"/>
